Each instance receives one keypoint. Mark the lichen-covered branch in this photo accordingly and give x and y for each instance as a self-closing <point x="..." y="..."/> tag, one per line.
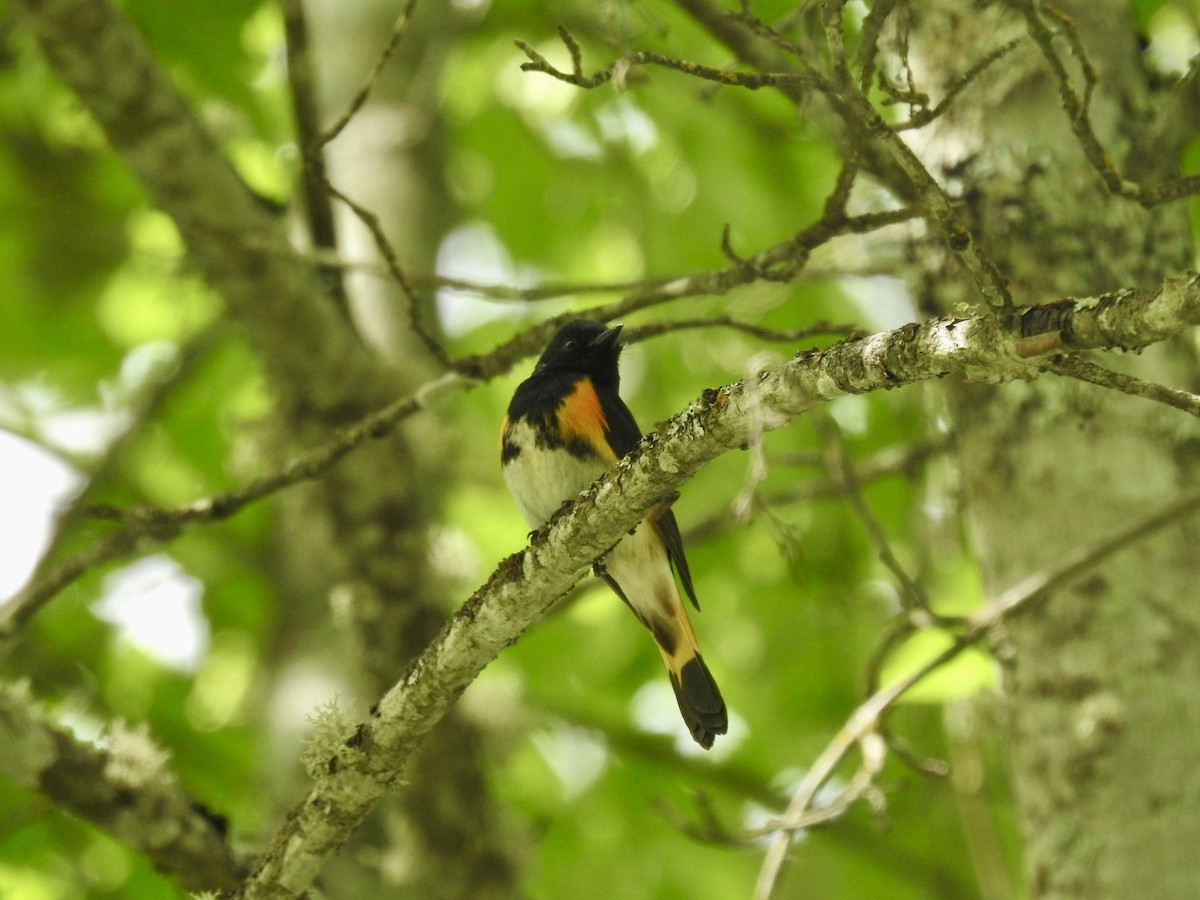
<point x="124" y="788"/>
<point x="527" y="584"/>
<point x="1124" y="320"/>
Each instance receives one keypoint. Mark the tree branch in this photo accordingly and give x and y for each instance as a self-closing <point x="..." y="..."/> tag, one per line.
<point x="1078" y="109"/>
<point x="527" y="584"/>
<point x="322" y="228"/>
<point x="146" y="526"/>
<point x="1073" y="367"/>
<point x="618" y="70"/>
<point x="854" y="108"/>
<point x="236" y="243"/>
<point x="368" y="85"/>
<point x="984" y="348"/>
<point x="860" y="729"/>
<point x="124" y="789"/>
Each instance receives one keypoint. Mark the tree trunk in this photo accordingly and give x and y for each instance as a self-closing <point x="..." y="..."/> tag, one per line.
<point x="1102" y="681"/>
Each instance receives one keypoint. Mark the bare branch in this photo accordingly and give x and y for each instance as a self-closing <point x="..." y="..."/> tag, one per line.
<point x="863" y="119"/>
<point x="371" y="221"/>
<point x="803" y="814"/>
<point x="1085" y="371"/>
<point x="548" y="290"/>
<point x="897" y="631"/>
<point x="851" y="104"/>
<point x="145" y="527"/>
<point x="793" y="252"/>
<point x="869" y="47"/>
<point x="924" y="116"/>
<point x="912" y="595"/>
<point x="619" y="70"/>
<point x="790" y="336"/>
<point x="494" y="291"/>
<point x="771" y="34"/>
<point x="360" y="98"/>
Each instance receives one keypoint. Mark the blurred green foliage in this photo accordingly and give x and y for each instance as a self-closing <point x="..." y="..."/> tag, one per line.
<point x="573" y="185"/>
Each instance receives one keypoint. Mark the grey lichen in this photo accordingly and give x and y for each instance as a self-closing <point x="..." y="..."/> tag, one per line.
<point x="331" y="745"/>
<point x="27" y="751"/>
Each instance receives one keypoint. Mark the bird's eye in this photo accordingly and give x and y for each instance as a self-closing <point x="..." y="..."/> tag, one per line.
<point x="571" y="344"/>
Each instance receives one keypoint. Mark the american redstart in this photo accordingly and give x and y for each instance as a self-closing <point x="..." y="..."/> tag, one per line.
<point x="567" y="425"/>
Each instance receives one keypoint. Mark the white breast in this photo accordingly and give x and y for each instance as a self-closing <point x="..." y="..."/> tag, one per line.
<point x="542" y="480"/>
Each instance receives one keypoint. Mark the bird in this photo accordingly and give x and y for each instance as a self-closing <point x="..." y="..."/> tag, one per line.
<point x="565" y="427"/>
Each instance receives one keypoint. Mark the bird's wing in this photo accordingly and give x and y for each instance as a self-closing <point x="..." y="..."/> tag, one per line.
<point x="623" y="435"/>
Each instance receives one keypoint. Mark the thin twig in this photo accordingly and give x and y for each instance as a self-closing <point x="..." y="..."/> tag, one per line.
<point x="372" y="78"/>
<point x="618" y="70"/>
<point x="552" y="290"/>
<point x="901" y="627"/>
<point x="789" y="336"/>
<point x="746" y="16"/>
<point x="803" y="814"/>
<point x="1078" y="111"/>
<point x="858" y="113"/>
<point x="912" y="595"/>
<point x="1073" y="367"/>
<point x="371" y="221"/>
<point x="869" y="41"/>
<point x="548" y="290"/>
<point x="1075" y="105"/>
<point x="145" y="526"/>
<point x="839" y="198"/>
<point x="924" y="116"/>
<point x="874" y="754"/>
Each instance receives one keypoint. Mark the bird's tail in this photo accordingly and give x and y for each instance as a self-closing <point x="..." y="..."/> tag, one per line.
<point x="696" y="691"/>
<point x="657" y="605"/>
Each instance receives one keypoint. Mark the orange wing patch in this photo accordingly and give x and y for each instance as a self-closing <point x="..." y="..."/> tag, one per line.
<point x="580" y="417"/>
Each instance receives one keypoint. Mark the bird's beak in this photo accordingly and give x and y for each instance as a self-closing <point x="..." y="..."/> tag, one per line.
<point x="607" y="338"/>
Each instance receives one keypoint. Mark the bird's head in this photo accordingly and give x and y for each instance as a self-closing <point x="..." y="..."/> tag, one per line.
<point x="586" y="347"/>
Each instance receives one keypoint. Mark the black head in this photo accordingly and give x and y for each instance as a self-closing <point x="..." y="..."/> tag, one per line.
<point x="583" y="346"/>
